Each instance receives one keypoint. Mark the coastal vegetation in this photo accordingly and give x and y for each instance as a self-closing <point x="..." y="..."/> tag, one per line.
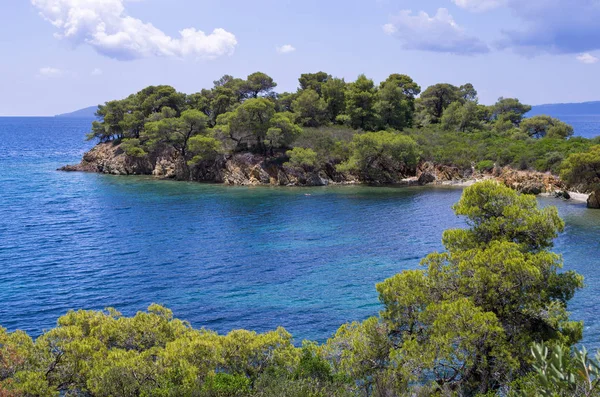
<point x="487" y="316"/>
<point x="332" y="129"/>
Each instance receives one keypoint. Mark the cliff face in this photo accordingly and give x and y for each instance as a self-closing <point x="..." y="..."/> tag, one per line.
<point x="237" y="169"/>
<point x="251" y="169"/>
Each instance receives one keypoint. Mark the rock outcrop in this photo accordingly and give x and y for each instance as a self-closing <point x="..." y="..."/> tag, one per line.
<point x="428" y="173"/>
<point x="107" y="158"/>
<point x="594" y="200"/>
<point x="530" y="182"/>
<point x="249" y="169"/>
<point x="245" y="169"/>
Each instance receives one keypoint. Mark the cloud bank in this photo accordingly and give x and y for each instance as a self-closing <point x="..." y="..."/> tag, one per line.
<point x="438" y="33"/>
<point x="106" y="27"/>
<point x="550" y="26"/>
<point x="479" y="5"/>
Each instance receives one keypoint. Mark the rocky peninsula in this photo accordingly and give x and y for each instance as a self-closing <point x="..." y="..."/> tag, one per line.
<point x="242" y="132"/>
<point x="249" y="169"/>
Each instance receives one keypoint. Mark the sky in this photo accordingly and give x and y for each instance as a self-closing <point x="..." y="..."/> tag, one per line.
<point x="62" y="55"/>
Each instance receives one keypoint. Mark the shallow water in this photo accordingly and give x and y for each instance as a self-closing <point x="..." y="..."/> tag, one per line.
<point x="220" y="257"/>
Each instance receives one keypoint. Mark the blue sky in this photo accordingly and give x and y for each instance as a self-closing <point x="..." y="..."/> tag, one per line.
<point x="61" y="55"/>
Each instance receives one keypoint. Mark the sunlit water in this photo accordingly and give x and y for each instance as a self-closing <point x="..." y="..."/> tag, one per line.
<point x="220" y="257"/>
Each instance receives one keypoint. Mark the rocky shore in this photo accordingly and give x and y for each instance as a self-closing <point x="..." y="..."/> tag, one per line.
<point x="248" y="169"/>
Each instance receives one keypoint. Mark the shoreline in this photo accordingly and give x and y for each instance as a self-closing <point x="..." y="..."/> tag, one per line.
<point x="248" y="169"/>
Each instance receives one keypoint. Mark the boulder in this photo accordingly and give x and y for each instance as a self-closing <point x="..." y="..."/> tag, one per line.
<point x="426" y="178"/>
<point x="594" y="200"/>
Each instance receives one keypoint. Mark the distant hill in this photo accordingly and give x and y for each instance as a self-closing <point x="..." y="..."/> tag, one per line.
<point x="87" y="113"/>
<point x="567" y="109"/>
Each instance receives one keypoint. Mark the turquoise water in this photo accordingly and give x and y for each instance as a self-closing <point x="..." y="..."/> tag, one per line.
<point x="220" y="257"/>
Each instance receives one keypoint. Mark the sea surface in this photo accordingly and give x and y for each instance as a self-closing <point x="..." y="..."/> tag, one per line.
<point x="221" y="257"/>
<point x="587" y="126"/>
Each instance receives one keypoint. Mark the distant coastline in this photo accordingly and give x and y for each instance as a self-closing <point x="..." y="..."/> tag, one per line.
<point x="89" y="112"/>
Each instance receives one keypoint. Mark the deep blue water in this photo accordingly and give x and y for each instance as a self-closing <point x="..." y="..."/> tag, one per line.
<point x="220" y="257"/>
<point x="587" y="126"/>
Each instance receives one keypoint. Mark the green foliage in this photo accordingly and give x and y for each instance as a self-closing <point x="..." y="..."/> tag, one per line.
<point x="334" y="94"/>
<point x="468" y="319"/>
<point x="542" y="126"/>
<point x="395" y="104"/>
<point x="314" y="82"/>
<point x="509" y="110"/>
<point x="258" y="84"/>
<point x="560" y="372"/>
<point x="310" y="108"/>
<point x="497" y="213"/>
<point x="583" y="169"/>
<point x="435" y="99"/>
<point x="133" y="148"/>
<point x="302" y="158"/>
<point x="360" y="101"/>
<point x="485" y="166"/>
<point x="378" y="156"/>
<point x="519" y="151"/>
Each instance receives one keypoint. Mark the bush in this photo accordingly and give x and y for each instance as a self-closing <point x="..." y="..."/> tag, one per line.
<point x="305" y="159"/>
<point x="485" y="166"/>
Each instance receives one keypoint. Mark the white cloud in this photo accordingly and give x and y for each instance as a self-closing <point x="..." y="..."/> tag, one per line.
<point x="286" y="49"/>
<point x="438" y="33"/>
<point x="105" y="26"/>
<point x="97" y="72"/>
<point x="587" y="58"/>
<point x="49" y="72"/>
<point x="479" y="5"/>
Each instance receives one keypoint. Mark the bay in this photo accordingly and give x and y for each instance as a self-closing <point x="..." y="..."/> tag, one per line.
<point x="221" y="257"/>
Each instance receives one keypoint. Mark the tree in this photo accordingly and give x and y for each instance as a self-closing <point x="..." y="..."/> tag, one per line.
<point x="360" y="99"/>
<point x="396" y="102"/>
<point x="259" y="84"/>
<point x="154" y="98"/>
<point x="467" y="93"/>
<point x="546" y="126"/>
<point x="334" y="94"/>
<point x="111" y="124"/>
<point x="314" y="81"/>
<point x="510" y="110"/>
<point x="282" y="132"/>
<point x="468" y="319"/>
<point x="177" y="132"/>
<point x="380" y="157"/>
<point x="462" y="117"/>
<point x="284" y="101"/>
<point x="249" y="123"/>
<point x="436" y="98"/>
<point x="310" y="108"/>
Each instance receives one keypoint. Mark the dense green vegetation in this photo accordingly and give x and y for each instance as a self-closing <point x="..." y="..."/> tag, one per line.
<point x="464" y="324"/>
<point x="327" y="116"/>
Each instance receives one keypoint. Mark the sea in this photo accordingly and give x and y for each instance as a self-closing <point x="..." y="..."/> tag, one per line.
<point x="223" y="258"/>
